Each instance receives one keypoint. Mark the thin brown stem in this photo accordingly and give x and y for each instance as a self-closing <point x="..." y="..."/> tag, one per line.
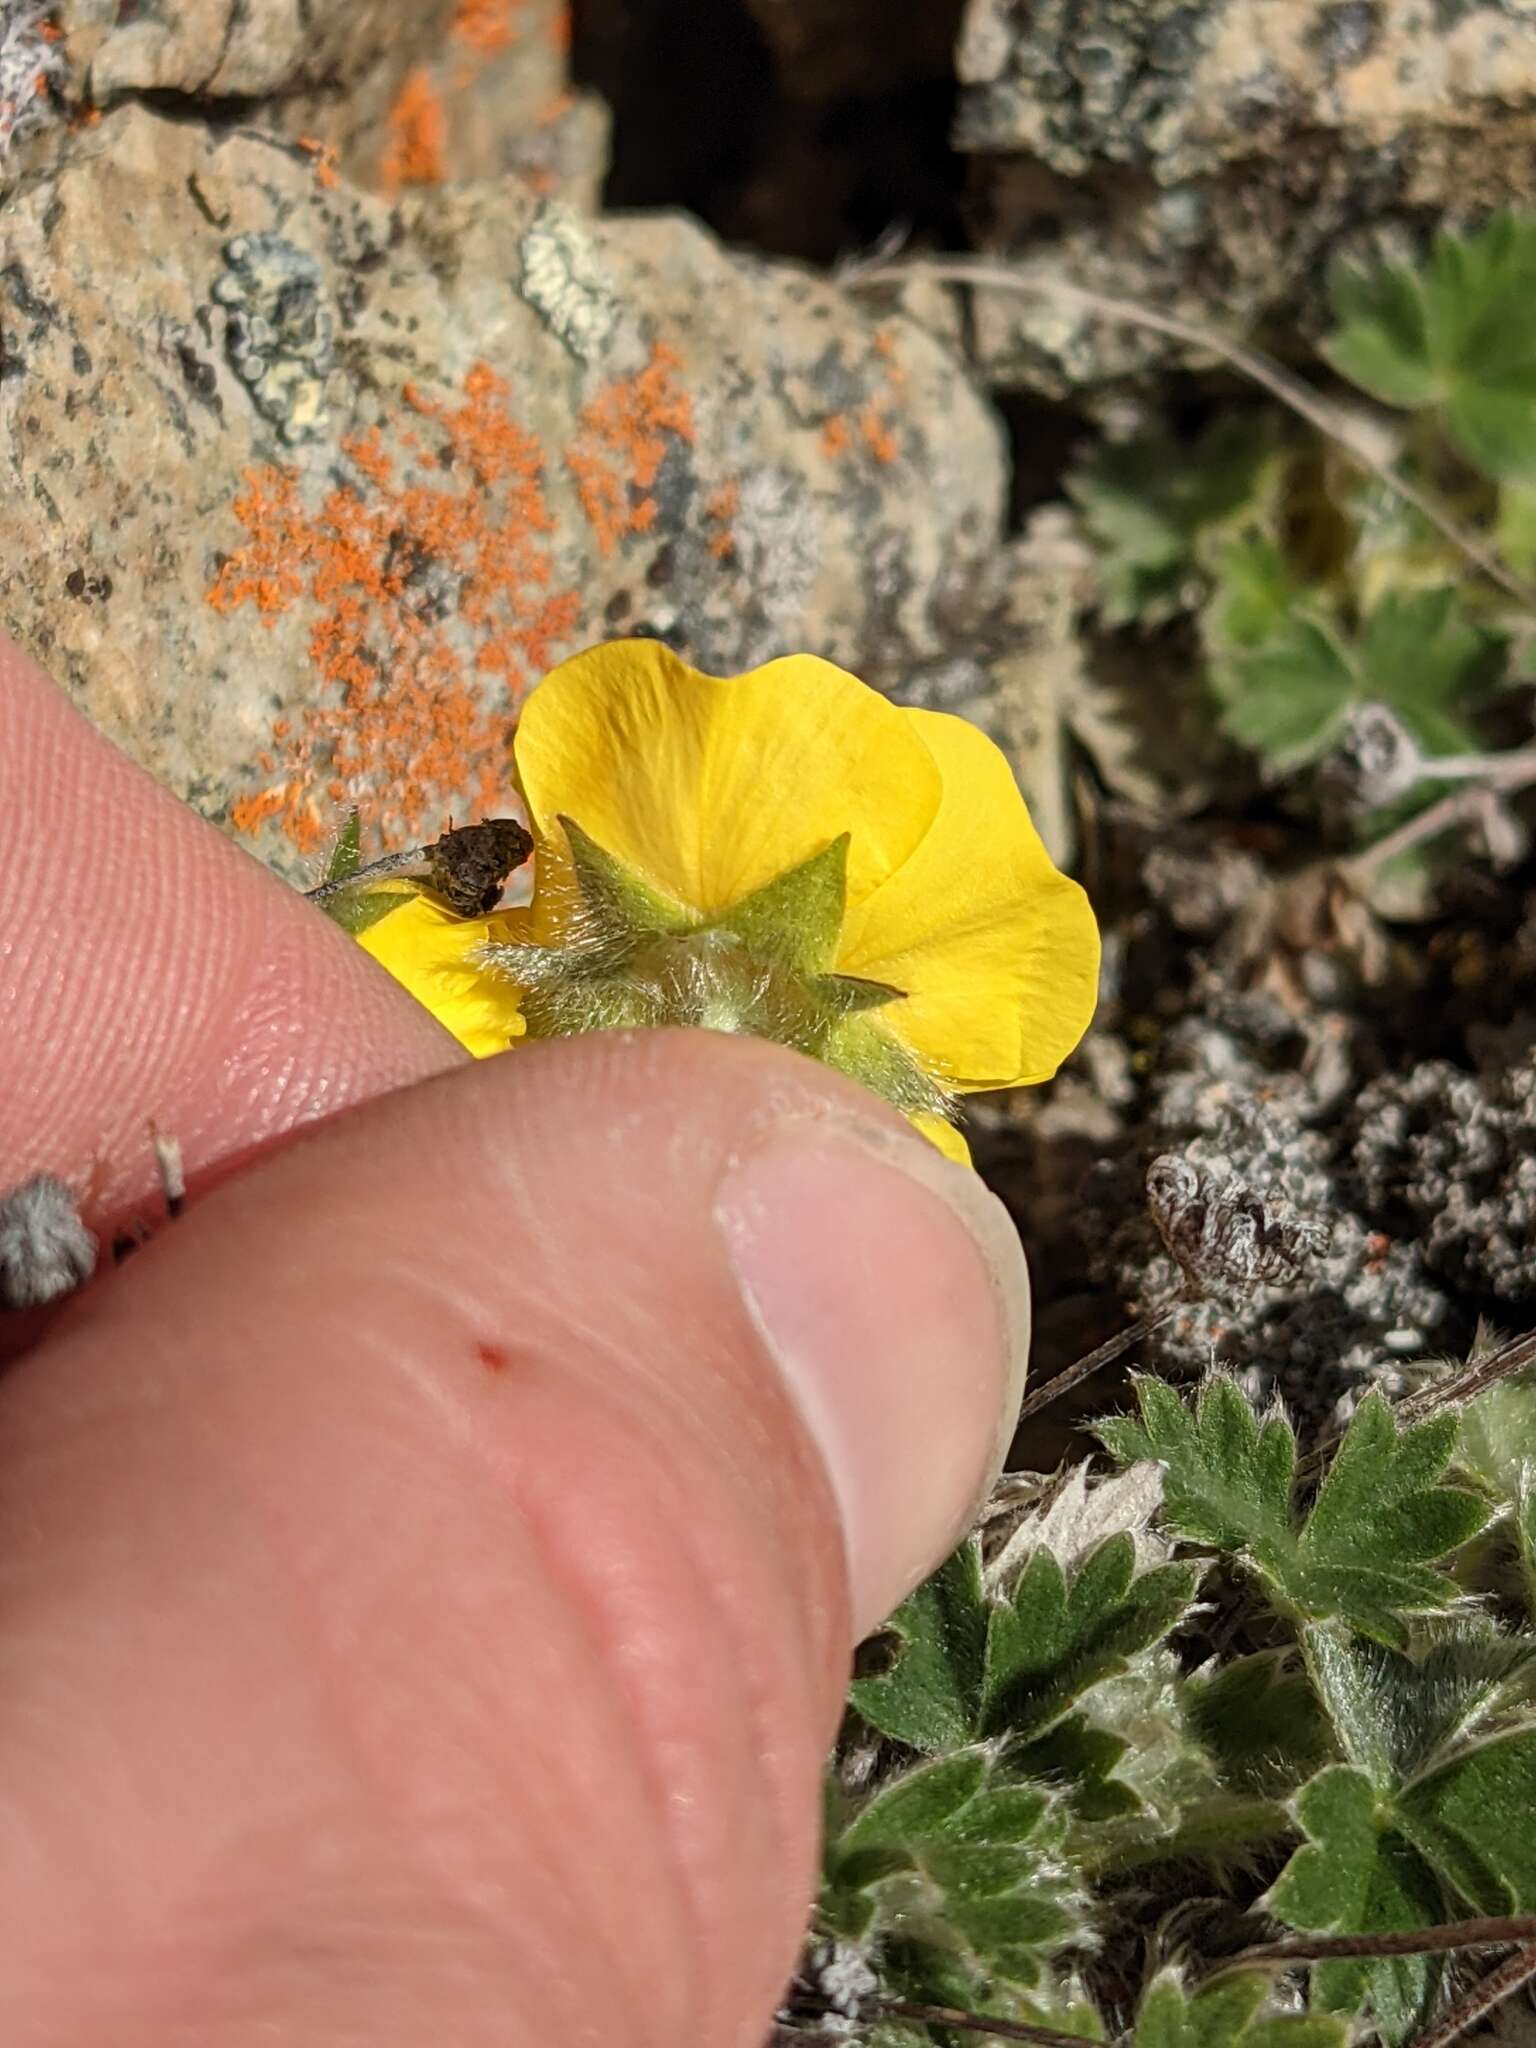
<point x="969" y="2022"/>
<point x="1498" y="1985"/>
<point x="1415" y="1941"/>
<point x="1259" y="369"/>
<point x="1087" y="1366"/>
<point x="1473" y="1378"/>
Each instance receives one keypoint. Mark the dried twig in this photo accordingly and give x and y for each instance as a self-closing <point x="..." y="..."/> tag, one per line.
<point x="1483" y="776"/>
<point x="1090" y="1363"/>
<point x="970" y="2022"/>
<point x="1414" y="1941"/>
<point x="1498" y="1985"/>
<point x="1327" y="419"/>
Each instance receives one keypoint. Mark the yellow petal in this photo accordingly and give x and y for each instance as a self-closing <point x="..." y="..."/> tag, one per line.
<point x="708" y="787"/>
<point x="998" y="952"/>
<point x="433" y="955"/>
<point x="945" y="1136"/>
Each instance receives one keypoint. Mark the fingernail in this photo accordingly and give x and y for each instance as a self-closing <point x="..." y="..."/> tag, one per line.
<point x="891" y="1291"/>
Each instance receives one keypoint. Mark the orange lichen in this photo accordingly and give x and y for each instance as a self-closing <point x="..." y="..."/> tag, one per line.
<point x="486" y="26"/>
<point x="325" y="156"/>
<point x="418" y="135"/>
<point x="835" y="436"/>
<point x="617" y="457"/>
<point x="429" y="583"/>
<point x="560" y="29"/>
<point x="878" y="438"/>
<point x="720" y="508"/>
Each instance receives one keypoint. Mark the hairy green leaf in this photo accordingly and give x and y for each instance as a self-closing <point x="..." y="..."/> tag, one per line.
<point x="1453" y="334"/>
<point x="1228" y="2013"/>
<point x="960" y="1858"/>
<point x="1472" y="1819"/>
<point x="930" y="1697"/>
<point x="1259" y="1718"/>
<point x="1368" y="1549"/>
<point x="1056" y="1637"/>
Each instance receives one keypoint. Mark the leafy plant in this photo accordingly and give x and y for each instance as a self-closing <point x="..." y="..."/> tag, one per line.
<point x="1361" y="561"/>
<point x="1453" y="334"/>
<point x="1055" y="1737"/>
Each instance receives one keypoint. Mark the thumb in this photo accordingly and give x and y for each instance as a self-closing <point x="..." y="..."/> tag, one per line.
<point x="429" y="1570"/>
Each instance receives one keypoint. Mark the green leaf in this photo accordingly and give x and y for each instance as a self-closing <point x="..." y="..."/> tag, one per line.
<point x="1354" y="1875"/>
<point x="1287" y="698"/>
<point x="1419" y="652"/>
<point x="347" y="854"/>
<point x="1367" y="1550"/>
<point x="1228" y="2013"/>
<point x="918" y="1805"/>
<point x="960" y="1862"/>
<point x="1225" y="1483"/>
<point x="1053" y="1640"/>
<point x="1288" y="694"/>
<point x="1472" y="1819"/>
<point x="1083" y="1759"/>
<point x="1259" y="1718"/>
<point x="930" y="1697"/>
<point x="1397" y="1716"/>
<point x="1255" y="593"/>
<point x="1454" y="334"/>
<point x="797" y="919"/>
<point x="1496" y="1444"/>
<point x="1380" y="1521"/>
<point x="1382" y="340"/>
<point x="1154" y="508"/>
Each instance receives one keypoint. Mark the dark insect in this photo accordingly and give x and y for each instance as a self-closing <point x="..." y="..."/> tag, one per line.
<point x="468" y="867"/>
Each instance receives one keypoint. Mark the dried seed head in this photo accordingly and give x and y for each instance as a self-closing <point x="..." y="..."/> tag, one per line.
<point x="45" y="1249"/>
<point x="1375" y="761"/>
<point x="469" y="866"/>
<point x="1227" y="1239"/>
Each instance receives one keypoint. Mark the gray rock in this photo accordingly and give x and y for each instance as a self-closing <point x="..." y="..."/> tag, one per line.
<point x="1207" y="156"/>
<point x="737" y="458"/>
<point x="393" y="95"/>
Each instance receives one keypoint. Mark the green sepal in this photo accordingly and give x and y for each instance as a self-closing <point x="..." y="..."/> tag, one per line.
<point x="796" y="920"/>
<point x="347" y="854"/>
<point x="846" y="995"/>
<point x="356" y="909"/>
<point x="618" y="904"/>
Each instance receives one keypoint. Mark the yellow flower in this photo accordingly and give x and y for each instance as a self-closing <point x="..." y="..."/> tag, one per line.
<point x="784" y="852"/>
<point x="437" y="957"/>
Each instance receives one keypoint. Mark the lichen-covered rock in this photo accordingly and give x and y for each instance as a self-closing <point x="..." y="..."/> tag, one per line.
<point x="298" y="491"/>
<point x="393" y="95"/>
<point x="244" y="49"/>
<point x="1207" y="156"/>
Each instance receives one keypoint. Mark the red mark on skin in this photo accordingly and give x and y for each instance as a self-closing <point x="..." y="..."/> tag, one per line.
<point x="492" y="1357"/>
